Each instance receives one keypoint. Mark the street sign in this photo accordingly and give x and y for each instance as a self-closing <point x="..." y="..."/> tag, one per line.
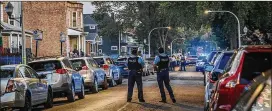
<point x="37" y="35"/>
<point x="62" y="37"/>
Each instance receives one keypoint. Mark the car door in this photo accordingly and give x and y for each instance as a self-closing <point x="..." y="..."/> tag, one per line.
<point x="99" y="72"/>
<point x="41" y="85"/>
<point x="75" y="76"/>
<point x="31" y="83"/>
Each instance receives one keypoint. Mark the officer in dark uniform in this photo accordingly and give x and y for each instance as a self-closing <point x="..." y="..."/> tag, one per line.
<point x="182" y="63"/>
<point x="135" y="66"/>
<point x="161" y="64"/>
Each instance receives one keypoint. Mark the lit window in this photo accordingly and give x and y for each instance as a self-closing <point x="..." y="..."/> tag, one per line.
<point x="100" y="51"/>
<point x="100" y="41"/>
<point x="123" y="49"/>
<point x="113" y="47"/>
<point x="74" y="19"/>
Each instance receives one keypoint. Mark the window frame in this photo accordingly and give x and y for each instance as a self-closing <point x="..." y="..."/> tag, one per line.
<point x="11" y="20"/>
<point x="92" y="27"/>
<point x="73" y="19"/>
<point x="113" y="48"/>
<point x="100" y="51"/>
<point x="100" y="41"/>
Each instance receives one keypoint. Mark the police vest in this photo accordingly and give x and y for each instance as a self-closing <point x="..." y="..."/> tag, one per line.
<point x="164" y="61"/>
<point x="133" y="63"/>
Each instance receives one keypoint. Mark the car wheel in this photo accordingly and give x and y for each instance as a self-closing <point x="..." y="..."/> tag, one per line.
<point x="120" y="81"/>
<point x="49" y="102"/>
<point x="204" y="79"/>
<point x="81" y="95"/>
<point x="95" y="86"/>
<point x="105" y="84"/>
<point x="27" y="106"/>
<point x="71" y="94"/>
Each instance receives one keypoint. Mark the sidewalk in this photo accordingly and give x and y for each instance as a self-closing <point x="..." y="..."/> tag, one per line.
<point x="186" y="75"/>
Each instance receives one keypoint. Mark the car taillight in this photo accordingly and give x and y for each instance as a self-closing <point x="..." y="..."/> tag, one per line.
<point x="105" y="67"/>
<point x="231" y="84"/>
<point x="61" y="71"/>
<point x="10" y="86"/>
<point x="85" y="68"/>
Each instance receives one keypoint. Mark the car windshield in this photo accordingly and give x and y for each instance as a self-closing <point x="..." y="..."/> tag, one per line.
<point x="78" y="63"/>
<point x="100" y="61"/>
<point x="7" y="72"/>
<point x="224" y="60"/>
<point x="46" y="65"/>
<point x="254" y="64"/>
<point x="215" y="56"/>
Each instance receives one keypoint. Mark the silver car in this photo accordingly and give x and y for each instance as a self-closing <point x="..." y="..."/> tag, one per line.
<point x="149" y="69"/>
<point x="60" y="74"/>
<point x="94" y="77"/>
<point x="22" y="87"/>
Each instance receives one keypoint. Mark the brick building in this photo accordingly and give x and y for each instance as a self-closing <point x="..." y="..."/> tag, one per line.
<point x="54" y="18"/>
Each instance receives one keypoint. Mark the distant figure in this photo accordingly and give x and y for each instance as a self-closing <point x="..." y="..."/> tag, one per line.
<point x="75" y="51"/>
<point x="82" y="53"/>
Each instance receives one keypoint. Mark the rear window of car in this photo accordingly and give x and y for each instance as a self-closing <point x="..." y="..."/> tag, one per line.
<point x="254" y="64"/>
<point x="7" y="72"/>
<point x="100" y="61"/>
<point x="224" y="60"/>
<point x="78" y="63"/>
<point x="67" y="63"/>
<point x="45" y="65"/>
<point x="210" y="57"/>
<point x="93" y="63"/>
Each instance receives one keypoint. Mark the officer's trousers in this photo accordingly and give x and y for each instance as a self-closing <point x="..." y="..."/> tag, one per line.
<point x="133" y="77"/>
<point x="163" y="77"/>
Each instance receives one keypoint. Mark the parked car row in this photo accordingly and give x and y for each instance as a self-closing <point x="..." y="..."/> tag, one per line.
<point x="38" y="82"/>
<point x="233" y="73"/>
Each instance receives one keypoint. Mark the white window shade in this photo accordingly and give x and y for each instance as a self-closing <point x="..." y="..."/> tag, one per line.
<point x="114" y="48"/>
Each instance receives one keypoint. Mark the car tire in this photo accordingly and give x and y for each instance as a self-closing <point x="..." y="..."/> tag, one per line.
<point x="49" y="101"/>
<point x="120" y="81"/>
<point x="94" y="88"/>
<point x="81" y="95"/>
<point x="71" y="93"/>
<point x="105" y="84"/>
<point x="204" y="79"/>
<point x="27" y="106"/>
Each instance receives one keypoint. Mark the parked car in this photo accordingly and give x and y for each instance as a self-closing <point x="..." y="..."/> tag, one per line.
<point x="60" y="74"/>
<point x="217" y="70"/>
<point x="21" y="87"/>
<point x="249" y="62"/>
<point x="122" y="64"/>
<point x="191" y="59"/>
<point x="94" y="77"/>
<point x="112" y="71"/>
<point x="200" y="64"/>
<point x="149" y="69"/>
<point x="210" y="61"/>
<point x="257" y="97"/>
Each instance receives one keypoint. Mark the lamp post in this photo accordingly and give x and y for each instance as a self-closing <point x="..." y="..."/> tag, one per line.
<point x="149" y="38"/>
<point x="172" y="44"/>
<point x="238" y="22"/>
<point x="62" y="39"/>
<point x="9" y="11"/>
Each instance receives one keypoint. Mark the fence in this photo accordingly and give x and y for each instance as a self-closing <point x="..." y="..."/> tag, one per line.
<point x="13" y="56"/>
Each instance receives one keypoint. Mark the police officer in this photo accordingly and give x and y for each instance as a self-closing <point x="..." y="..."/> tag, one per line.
<point x="161" y="64"/>
<point x="135" y="66"/>
<point x="182" y="63"/>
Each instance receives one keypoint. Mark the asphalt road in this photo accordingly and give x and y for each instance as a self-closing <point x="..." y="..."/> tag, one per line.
<point x="187" y="86"/>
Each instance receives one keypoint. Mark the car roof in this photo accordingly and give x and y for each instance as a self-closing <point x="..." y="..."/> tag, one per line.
<point x="256" y="47"/>
<point x="12" y="65"/>
<point x="48" y="59"/>
<point x="80" y="58"/>
<point x="102" y="57"/>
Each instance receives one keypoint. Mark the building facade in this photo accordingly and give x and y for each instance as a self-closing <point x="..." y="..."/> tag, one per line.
<point x="54" y="18"/>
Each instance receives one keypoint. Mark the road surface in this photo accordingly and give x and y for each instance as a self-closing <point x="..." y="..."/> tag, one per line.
<point x="187" y="86"/>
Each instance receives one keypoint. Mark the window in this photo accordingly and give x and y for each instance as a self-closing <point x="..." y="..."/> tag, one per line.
<point x="67" y="64"/>
<point x="123" y="49"/>
<point x="224" y="61"/>
<point x="25" y="72"/>
<point x="32" y="72"/>
<point x="74" y="19"/>
<point x="114" y="48"/>
<point x="92" y="63"/>
<point x="78" y="63"/>
<point x="100" y="41"/>
<point x="11" y="21"/>
<point x="6" y="72"/>
<point x="100" y="61"/>
<point x="100" y="51"/>
<point x="46" y="65"/>
<point x="92" y="27"/>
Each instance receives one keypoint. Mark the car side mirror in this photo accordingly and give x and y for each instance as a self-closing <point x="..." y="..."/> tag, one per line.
<point x="208" y="68"/>
<point x="41" y="76"/>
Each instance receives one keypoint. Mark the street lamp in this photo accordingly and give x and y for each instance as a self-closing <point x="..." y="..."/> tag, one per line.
<point x="62" y="39"/>
<point x="238" y="22"/>
<point x="169" y="28"/>
<point x="172" y="44"/>
<point x="9" y="11"/>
